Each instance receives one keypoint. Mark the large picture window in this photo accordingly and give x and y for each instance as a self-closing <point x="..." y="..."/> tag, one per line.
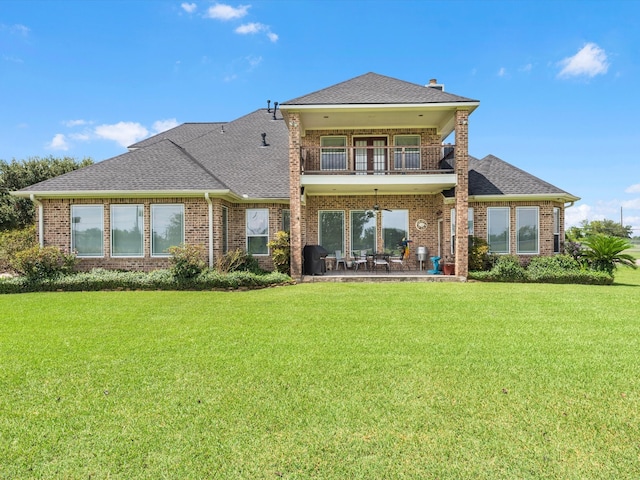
<point x="395" y="227"/>
<point x="363" y="231"/>
<point x="498" y="229"/>
<point x="87" y="230"/>
<point x="167" y="228"/>
<point x="127" y="230"/>
<point x="257" y="231"/>
<point x="527" y="228"/>
<point x="333" y="155"/>
<point x="331" y="230"/>
<point x="407" y="152"/>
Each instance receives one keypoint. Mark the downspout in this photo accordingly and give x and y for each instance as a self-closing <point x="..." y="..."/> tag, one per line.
<point x="32" y="197"/>
<point x="206" y="197"/>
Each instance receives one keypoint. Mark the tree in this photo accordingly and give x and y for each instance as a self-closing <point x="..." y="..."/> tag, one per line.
<point x="599" y="227"/>
<point x="20" y="212"/>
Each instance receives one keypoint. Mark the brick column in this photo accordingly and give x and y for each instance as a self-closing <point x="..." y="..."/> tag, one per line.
<point x="294" y="195"/>
<point x="462" y="193"/>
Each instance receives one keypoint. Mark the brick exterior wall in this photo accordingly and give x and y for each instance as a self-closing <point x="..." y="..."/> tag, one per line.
<point x="462" y="191"/>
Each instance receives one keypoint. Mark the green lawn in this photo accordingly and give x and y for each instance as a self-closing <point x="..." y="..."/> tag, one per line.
<point x="324" y="381"/>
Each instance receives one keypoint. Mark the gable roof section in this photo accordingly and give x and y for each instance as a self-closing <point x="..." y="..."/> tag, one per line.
<point x="492" y="176"/>
<point x="208" y="160"/>
<point x="163" y="166"/>
<point x="372" y="88"/>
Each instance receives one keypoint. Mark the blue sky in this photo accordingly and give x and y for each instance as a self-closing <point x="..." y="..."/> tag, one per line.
<point x="557" y="80"/>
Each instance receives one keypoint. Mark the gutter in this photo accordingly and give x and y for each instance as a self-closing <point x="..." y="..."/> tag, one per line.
<point x="32" y="197"/>
<point x="210" y="203"/>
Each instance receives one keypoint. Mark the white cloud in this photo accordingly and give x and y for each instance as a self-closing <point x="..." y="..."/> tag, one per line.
<point x="189" y="7"/>
<point x="633" y="188"/>
<point x="632" y="204"/>
<point x="256" y="27"/>
<point x="59" y="142"/>
<point x="9" y="58"/>
<point x="221" y="11"/>
<point x="74" y="123"/>
<point x="502" y="72"/>
<point x="17" y="29"/>
<point x="254" y="62"/>
<point x="526" y="68"/>
<point x="591" y="60"/>
<point x="123" y="133"/>
<point x="164" y="125"/>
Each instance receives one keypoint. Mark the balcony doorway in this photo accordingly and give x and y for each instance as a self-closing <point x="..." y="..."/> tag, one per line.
<point x="370" y="155"/>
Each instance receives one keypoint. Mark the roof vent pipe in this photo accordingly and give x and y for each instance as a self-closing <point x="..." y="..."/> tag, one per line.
<point x="264" y="139"/>
<point x="268" y="106"/>
<point x="275" y="107"/>
<point x="433" y="83"/>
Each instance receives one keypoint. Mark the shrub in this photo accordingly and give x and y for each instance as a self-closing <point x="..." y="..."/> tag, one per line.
<point x="281" y="251"/>
<point x="238" y="261"/>
<point x="13" y="241"/>
<point x="187" y="261"/>
<point x="508" y="268"/>
<point x="479" y="258"/>
<point x="39" y="263"/>
<point x="605" y="252"/>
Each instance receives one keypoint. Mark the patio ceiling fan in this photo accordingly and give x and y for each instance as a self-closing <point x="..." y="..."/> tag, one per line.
<point x="376" y="205"/>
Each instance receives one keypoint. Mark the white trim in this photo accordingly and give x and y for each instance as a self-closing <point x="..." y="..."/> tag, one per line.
<point x="508" y="209"/>
<point x="210" y="227"/>
<point x="71" y="223"/>
<point x="151" y="207"/>
<point x="246" y="233"/>
<point x="40" y="219"/>
<point x="122" y="205"/>
<point x="367" y="106"/>
<point x="344" y="229"/>
<point x="537" y="209"/>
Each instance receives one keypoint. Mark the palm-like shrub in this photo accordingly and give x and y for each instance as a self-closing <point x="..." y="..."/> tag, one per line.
<point x="605" y="253"/>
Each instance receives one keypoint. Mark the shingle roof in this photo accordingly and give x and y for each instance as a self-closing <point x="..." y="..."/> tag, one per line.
<point x="181" y="134"/>
<point x="208" y="160"/>
<point x="372" y="88"/>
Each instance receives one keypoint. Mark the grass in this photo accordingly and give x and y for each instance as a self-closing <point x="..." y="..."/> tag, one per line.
<point x="324" y="381"/>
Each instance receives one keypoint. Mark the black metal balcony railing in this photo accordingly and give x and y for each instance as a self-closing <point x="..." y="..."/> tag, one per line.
<point x="387" y="160"/>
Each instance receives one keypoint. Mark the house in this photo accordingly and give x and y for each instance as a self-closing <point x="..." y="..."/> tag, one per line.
<point x="356" y="166"/>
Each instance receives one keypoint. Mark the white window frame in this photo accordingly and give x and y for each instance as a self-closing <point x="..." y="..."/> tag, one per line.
<point x="157" y="206"/>
<point x="248" y="212"/>
<point x="351" y="230"/>
<point x="83" y="207"/>
<point x="334" y="150"/>
<point x="508" y="217"/>
<point x="117" y="206"/>
<point x="520" y="210"/>
<point x="401" y="150"/>
<point x="332" y="253"/>
<point x="556" y="229"/>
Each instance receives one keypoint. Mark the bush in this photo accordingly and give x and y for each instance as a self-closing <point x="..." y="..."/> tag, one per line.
<point x="100" y="279"/>
<point x="479" y="258"/>
<point x="13" y="241"/>
<point x="39" y="263"/>
<point x="187" y="261"/>
<point x="238" y="261"/>
<point x="508" y="268"/>
<point x="604" y="253"/>
<point x="281" y="251"/>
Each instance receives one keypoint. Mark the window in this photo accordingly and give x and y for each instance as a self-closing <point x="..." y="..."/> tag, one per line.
<point x="87" y="230"/>
<point x="127" y="230"/>
<point x="395" y="227"/>
<point x="333" y="154"/>
<point x="470" y="227"/>
<point x="556" y="230"/>
<point x="225" y="230"/>
<point x="257" y="231"/>
<point x="331" y="230"/>
<point x="286" y="220"/>
<point x="363" y="231"/>
<point x="167" y="228"/>
<point x="498" y="229"/>
<point x="407" y="152"/>
<point x="527" y="228"/>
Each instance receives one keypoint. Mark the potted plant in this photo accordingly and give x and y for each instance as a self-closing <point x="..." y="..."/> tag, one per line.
<point x="449" y="266"/>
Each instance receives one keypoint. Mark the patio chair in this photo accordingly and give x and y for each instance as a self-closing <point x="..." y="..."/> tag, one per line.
<point x="360" y="259"/>
<point x="340" y="260"/>
<point x="397" y="261"/>
<point x="380" y="260"/>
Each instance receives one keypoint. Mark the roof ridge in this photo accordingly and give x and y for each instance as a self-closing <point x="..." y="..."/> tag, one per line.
<point x="198" y="163"/>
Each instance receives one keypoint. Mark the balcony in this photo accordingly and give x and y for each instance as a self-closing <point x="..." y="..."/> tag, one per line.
<point x="391" y="169"/>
